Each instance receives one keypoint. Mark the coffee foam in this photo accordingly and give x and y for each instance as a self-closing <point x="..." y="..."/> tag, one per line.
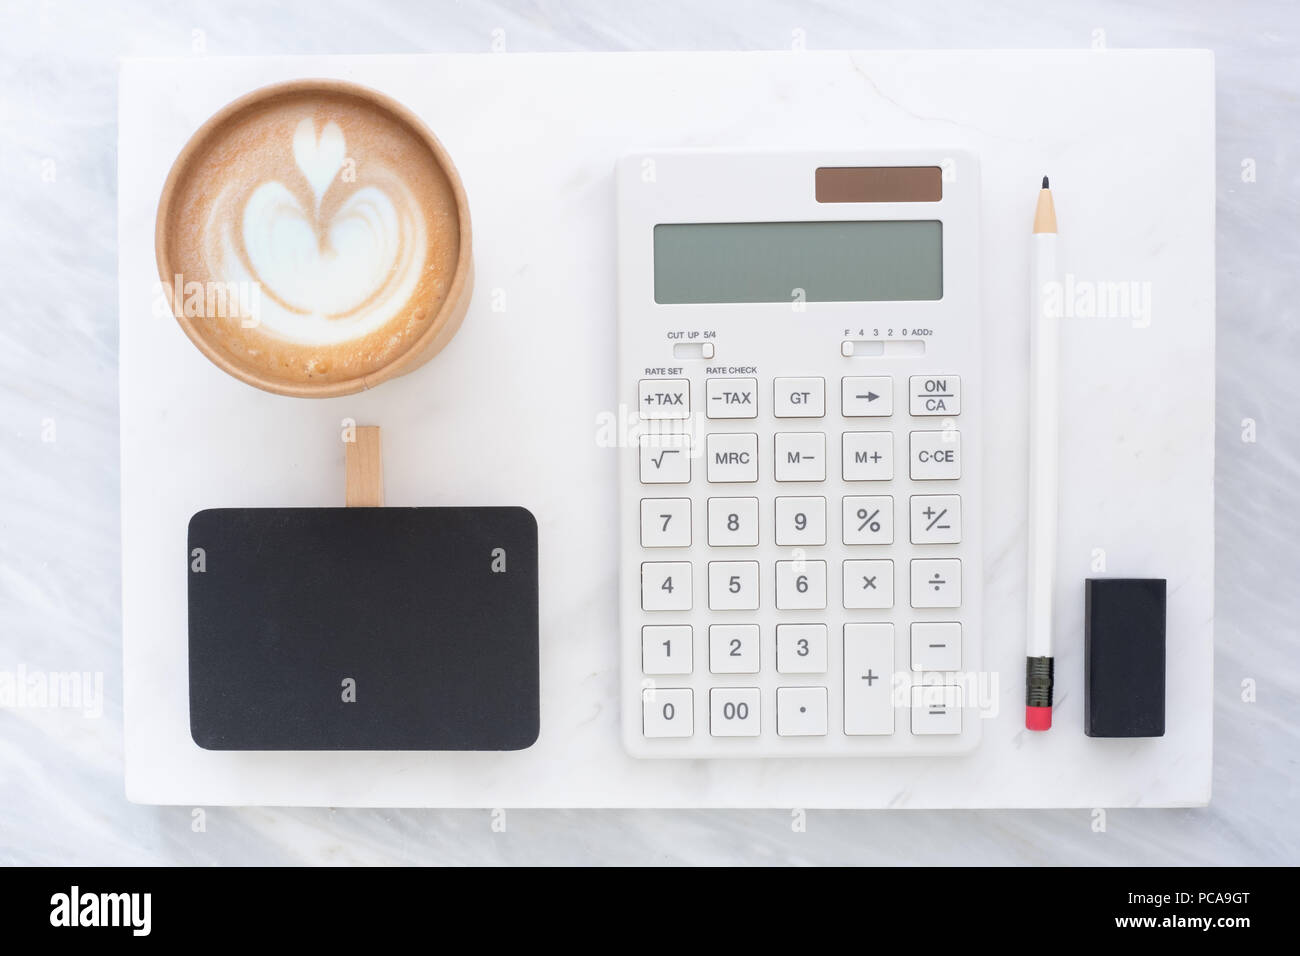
<point x="341" y="219"/>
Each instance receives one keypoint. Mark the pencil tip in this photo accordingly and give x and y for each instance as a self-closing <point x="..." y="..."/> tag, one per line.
<point x="1045" y="186"/>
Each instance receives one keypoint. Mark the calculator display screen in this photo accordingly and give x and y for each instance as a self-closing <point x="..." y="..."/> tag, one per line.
<point x="859" y="261"/>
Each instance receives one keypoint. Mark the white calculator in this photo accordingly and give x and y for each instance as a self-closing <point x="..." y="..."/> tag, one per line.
<point x="800" y="500"/>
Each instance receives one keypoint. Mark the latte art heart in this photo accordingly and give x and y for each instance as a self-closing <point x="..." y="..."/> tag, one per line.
<point x="319" y="157"/>
<point x="328" y="272"/>
<point x="325" y="270"/>
<point x="340" y="219"/>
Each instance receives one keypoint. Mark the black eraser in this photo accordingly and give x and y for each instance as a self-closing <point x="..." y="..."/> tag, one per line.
<point x="1124" y="657"/>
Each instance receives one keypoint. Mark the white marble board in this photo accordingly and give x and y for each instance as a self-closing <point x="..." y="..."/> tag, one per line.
<point x="1128" y="138"/>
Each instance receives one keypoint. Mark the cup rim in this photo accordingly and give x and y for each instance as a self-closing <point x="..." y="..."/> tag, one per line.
<point x="454" y="303"/>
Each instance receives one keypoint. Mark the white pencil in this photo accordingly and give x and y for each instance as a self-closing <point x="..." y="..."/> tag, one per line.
<point x="1044" y="362"/>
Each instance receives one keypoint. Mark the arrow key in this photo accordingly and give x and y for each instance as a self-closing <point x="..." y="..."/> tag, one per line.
<point x="867" y="396"/>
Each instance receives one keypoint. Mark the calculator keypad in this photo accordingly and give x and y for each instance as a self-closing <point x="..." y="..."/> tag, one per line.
<point x="934" y="395"/>
<point x="801" y="648"/>
<point x="935" y="519"/>
<point x="665" y="459"/>
<point x="936" y="646"/>
<point x="734" y="711"/>
<point x="869" y="584"/>
<point x="733" y="648"/>
<point x="666" y="586"/>
<point x="822" y="581"/>
<point x="665" y="522"/>
<point x="667" y="648"/>
<point x="668" y="712"/>
<point x="800" y="456"/>
<point x="801" y="585"/>
<point x="867" y="396"/>
<point x="868" y="664"/>
<point x="935" y="456"/>
<point x="868" y="456"/>
<point x="733" y="522"/>
<point x="799" y="397"/>
<point x="936" y="583"/>
<point x="665" y="398"/>
<point x="733" y="585"/>
<point x="868" y="519"/>
<point x="732" y="457"/>
<point x="800" y="522"/>
<point x="731" y="398"/>
<point x="801" y="711"/>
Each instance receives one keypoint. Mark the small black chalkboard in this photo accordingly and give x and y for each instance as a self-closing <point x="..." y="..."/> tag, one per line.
<point x="363" y="628"/>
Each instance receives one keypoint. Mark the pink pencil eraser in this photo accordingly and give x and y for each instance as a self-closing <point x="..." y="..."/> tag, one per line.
<point x="1038" y="718"/>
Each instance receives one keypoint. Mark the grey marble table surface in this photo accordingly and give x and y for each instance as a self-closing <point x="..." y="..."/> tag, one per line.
<point x="61" y="798"/>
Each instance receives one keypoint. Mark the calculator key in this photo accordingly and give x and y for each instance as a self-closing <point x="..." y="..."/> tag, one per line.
<point x="800" y="456"/>
<point x="666" y="585"/>
<point x="800" y="585"/>
<point x="801" y="648"/>
<point x="665" y="459"/>
<point x="733" y="522"/>
<point x="733" y="585"/>
<point x="868" y="456"/>
<point x="934" y="394"/>
<point x="733" y="711"/>
<point x="936" y="709"/>
<point x="801" y="711"/>
<point x="799" y="397"/>
<point x="733" y="648"/>
<point x="664" y="398"/>
<point x="868" y="679"/>
<point x="732" y="457"/>
<point x="866" y="396"/>
<point x="667" y="712"/>
<point x="667" y="649"/>
<point x="731" y="397"/>
<point x="936" y="646"/>
<point x="868" y="519"/>
<point x="800" y="522"/>
<point x="665" y="522"/>
<point x="936" y="456"/>
<point x="869" y="584"/>
<point x="936" y="519"/>
<point x="936" y="582"/>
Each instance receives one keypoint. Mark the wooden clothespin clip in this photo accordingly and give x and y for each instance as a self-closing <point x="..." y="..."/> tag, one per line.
<point x="365" y="469"/>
